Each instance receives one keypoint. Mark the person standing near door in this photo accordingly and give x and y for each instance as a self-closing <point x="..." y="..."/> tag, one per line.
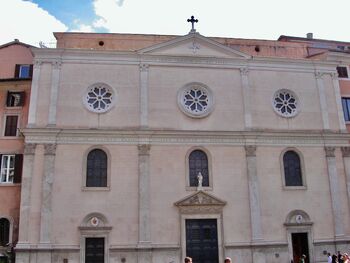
<point x="188" y="260"/>
<point x="228" y="260"/>
<point x="302" y="259"/>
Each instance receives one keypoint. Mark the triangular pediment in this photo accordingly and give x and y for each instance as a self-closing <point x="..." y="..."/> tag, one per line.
<point x="200" y="198"/>
<point x="193" y="44"/>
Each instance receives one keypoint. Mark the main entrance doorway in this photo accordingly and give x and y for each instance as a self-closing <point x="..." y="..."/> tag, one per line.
<point x="94" y="250"/>
<point x="202" y="240"/>
<point x="300" y="246"/>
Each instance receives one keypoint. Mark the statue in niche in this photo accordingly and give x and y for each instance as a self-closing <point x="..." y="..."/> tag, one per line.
<point x="200" y="181"/>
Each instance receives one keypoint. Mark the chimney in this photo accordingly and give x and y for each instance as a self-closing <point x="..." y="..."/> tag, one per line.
<point x="309" y="35"/>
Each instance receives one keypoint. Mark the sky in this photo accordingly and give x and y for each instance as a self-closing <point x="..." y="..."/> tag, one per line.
<point x="34" y="21"/>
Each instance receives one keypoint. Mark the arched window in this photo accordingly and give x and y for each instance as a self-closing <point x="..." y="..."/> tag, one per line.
<point x="292" y="169"/>
<point x="4" y="231"/>
<point x="198" y="163"/>
<point x="96" y="169"/>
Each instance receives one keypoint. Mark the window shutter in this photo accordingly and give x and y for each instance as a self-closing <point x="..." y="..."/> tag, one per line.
<point x="18" y="168"/>
<point x="23" y="97"/>
<point x="31" y="71"/>
<point x="17" y="68"/>
<point x="8" y="99"/>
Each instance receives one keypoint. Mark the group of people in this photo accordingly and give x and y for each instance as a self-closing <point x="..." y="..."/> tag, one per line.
<point x="189" y="260"/>
<point x="340" y="258"/>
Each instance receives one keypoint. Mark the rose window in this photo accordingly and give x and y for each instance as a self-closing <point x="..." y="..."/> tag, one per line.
<point x="195" y="100"/>
<point x="285" y="103"/>
<point x="99" y="98"/>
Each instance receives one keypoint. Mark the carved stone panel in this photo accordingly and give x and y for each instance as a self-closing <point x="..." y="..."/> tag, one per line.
<point x="199" y="203"/>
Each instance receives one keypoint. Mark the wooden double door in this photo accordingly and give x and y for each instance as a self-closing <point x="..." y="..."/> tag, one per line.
<point x="202" y="240"/>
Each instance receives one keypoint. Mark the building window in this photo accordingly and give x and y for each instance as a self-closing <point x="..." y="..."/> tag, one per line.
<point x="11" y="125"/>
<point x="198" y="163"/>
<point x="11" y="168"/>
<point x="195" y="100"/>
<point x="96" y="169"/>
<point x="15" y="99"/>
<point x="346" y="108"/>
<point x="285" y="103"/>
<point x="94" y="250"/>
<point x="292" y="169"/>
<point x="342" y="72"/>
<point x="23" y="71"/>
<point x="4" y="232"/>
<point x="99" y="98"/>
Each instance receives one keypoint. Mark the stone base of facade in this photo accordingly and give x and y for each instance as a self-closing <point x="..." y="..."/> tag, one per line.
<point x="248" y="254"/>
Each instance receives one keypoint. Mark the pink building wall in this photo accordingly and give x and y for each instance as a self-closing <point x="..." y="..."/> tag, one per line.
<point x="11" y="54"/>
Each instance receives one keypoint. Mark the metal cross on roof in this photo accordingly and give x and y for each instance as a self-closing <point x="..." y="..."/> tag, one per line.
<point x="192" y="21"/>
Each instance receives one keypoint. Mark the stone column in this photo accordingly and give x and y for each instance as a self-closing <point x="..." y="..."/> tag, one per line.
<point x="334" y="190"/>
<point x="246" y="98"/>
<point x="144" y="95"/>
<point x="28" y="166"/>
<point x="346" y="160"/>
<point x="342" y="126"/>
<point x="323" y="99"/>
<point x="254" y="196"/>
<point x="144" y="243"/>
<point x="46" y="212"/>
<point x="55" y="78"/>
<point x="34" y="93"/>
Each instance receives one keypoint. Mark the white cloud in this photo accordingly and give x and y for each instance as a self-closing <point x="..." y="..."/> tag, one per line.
<point x="80" y="27"/>
<point x="241" y="19"/>
<point x="27" y="22"/>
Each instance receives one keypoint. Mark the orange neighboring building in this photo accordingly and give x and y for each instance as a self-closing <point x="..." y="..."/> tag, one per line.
<point x="330" y="49"/>
<point x="15" y="81"/>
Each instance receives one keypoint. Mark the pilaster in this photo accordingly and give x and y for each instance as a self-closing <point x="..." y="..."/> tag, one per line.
<point x="334" y="191"/>
<point x="342" y="126"/>
<point x="323" y="99"/>
<point x="144" y="69"/>
<point x="28" y="166"/>
<point x="55" y="78"/>
<point x="46" y="205"/>
<point x="346" y="161"/>
<point x="144" y="196"/>
<point x="246" y="97"/>
<point x="254" y="195"/>
<point x="34" y="93"/>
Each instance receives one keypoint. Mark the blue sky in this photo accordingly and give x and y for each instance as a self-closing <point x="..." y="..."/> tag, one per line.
<point x="32" y="21"/>
<point x="69" y="12"/>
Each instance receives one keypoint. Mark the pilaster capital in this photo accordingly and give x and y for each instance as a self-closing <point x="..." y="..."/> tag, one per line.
<point x="144" y="149"/>
<point x="244" y="71"/>
<point x="319" y="74"/>
<point x="329" y="151"/>
<point x="29" y="148"/>
<point x="50" y="148"/>
<point x="345" y="151"/>
<point x="334" y="75"/>
<point x="37" y="64"/>
<point x="250" y="150"/>
<point x="56" y="64"/>
<point x="144" y="67"/>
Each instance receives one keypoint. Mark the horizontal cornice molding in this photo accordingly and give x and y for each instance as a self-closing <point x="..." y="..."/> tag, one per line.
<point x="83" y="56"/>
<point x="163" y="137"/>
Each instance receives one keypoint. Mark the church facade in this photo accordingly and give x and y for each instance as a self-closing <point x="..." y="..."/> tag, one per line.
<point x="154" y="148"/>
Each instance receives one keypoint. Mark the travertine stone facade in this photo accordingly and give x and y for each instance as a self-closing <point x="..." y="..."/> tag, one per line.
<point x="145" y="211"/>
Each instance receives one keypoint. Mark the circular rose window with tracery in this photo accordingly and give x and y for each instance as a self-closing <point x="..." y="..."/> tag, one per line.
<point x="285" y="103"/>
<point x="99" y="98"/>
<point x="195" y="100"/>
